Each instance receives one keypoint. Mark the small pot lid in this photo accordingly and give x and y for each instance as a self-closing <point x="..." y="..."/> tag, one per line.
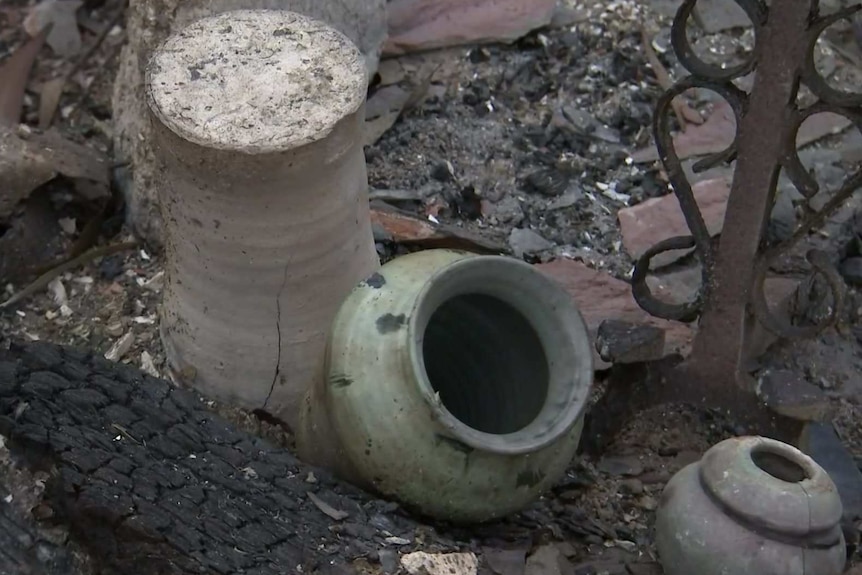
<point x="772" y="485"/>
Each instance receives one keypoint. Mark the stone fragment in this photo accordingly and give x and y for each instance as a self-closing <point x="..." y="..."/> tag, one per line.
<point x="547" y="560"/>
<point x="626" y="342"/>
<point x="820" y="442"/>
<point x="644" y="225"/>
<point x="388" y="561"/>
<point x="524" y="241"/>
<point x="787" y="393"/>
<point x="421" y="563"/>
<point x="632" y="486"/>
<point x="505" y="561"/>
<point x="621" y="465"/>
<point x="600" y="297"/>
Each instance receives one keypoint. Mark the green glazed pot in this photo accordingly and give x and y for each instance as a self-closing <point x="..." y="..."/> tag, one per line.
<point x="751" y="506"/>
<point x="456" y="384"/>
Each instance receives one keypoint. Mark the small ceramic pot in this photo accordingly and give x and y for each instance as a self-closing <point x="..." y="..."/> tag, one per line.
<point x="751" y="506"/>
<point x="456" y="384"/>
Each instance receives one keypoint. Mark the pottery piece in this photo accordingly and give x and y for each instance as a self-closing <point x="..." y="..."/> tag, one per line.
<point x="257" y="120"/>
<point x="456" y="384"/>
<point x="751" y="506"/>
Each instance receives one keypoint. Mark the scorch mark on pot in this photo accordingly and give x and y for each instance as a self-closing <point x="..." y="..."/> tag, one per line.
<point x="376" y="281"/>
<point x="387" y="323"/>
<point x="340" y="381"/>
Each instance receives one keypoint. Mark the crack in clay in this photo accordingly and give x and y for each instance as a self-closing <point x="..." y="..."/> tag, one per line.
<point x="278" y="333"/>
<point x="808" y="507"/>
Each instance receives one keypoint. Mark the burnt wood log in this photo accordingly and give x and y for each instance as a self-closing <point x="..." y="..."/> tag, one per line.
<point x="148" y="480"/>
<point x="24" y="547"/>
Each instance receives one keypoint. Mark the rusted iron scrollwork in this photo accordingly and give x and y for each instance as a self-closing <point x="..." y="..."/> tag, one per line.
<point x="784" y="157"/>
<point x="731" y="301"/>
<point x="699" y="238"/>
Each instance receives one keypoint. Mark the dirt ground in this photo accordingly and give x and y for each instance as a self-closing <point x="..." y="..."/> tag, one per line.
<point x="537" y="136"/>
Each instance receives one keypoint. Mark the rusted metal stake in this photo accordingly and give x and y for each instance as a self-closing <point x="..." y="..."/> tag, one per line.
<point x="766" y="127"/>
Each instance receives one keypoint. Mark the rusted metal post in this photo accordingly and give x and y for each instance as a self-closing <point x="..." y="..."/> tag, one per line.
<point x="765" y="129"/>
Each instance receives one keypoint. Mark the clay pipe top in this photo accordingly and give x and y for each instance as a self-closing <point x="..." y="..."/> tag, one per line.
<point x="255" y="81"/>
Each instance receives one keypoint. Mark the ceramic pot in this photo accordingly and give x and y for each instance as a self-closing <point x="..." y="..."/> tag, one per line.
<point x="263" y="188"/>
<point x="456" y="384"/>
<point x="751" y="506"/>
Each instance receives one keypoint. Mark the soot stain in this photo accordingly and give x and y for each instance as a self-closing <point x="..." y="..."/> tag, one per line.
<point x="376" y="281"/>
<point x="340" y="381"/>
<point x="388" y="323"/>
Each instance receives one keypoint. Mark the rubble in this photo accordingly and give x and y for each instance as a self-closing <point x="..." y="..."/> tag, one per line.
<point x="546" y="131"/>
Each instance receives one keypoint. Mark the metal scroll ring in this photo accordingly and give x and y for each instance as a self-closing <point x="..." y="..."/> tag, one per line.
<point x="755" y="10"/>
<point x="737" y="99"/>
<point x="685" y="312"/>
<point x="781" y="327"/>
<point x="812" y="77"/>
<point x="793" y="166"/>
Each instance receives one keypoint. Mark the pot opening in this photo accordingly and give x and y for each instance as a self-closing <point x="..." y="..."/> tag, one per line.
<point x="487" y="363"/>
<point x="779" y="466"/>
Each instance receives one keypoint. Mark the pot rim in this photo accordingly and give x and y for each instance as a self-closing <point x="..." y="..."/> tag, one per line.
<point x="506" y="279"/>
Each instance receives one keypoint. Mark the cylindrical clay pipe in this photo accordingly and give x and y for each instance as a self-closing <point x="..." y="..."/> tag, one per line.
<point x="148" y="24"/>
<point x="257" y="118"/>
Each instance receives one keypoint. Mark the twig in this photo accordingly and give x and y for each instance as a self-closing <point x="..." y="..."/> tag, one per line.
<point x="42" y="281"/>
<point x="14" y="75"/>
<point x="124" y="432"/>
<point x="88" y="236"/>
<point x="115" y="19"/>
<point x="684" y="114"/>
